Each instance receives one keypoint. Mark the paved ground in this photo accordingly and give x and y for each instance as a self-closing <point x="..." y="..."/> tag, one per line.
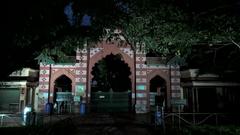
<point x="111" y="124"/>
<point x="104" y="124"/>
<point x="114" y="124"/>
<point x="90" y="124"/>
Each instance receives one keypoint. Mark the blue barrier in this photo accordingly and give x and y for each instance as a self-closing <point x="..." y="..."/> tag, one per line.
<point x="82" y="108"/>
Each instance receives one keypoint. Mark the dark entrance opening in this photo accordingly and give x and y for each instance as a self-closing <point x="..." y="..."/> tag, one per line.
<point x="62" y="96"/>
<point x="157" y="87"/>
<point x="111" y="85"/>
<point x="220" y="100"/>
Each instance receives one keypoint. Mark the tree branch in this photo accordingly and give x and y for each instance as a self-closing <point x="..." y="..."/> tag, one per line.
<point x="235" y="43"/>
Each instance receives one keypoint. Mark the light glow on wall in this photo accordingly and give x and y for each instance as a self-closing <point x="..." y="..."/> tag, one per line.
<point x="141" y="87"/>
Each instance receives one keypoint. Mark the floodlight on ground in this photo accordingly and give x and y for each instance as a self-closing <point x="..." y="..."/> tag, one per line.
<point x="26" y="110"/>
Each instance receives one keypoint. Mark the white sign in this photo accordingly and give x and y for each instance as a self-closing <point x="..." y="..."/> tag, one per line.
<point x="64" y="96"/>
<point x="178" y="101"/>
<point x="77" y="98"/>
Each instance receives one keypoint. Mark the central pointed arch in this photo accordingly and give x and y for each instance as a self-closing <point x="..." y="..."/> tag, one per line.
<point x="101" y="51"/>
<point x="108" y="49"/>
<point x="111" y="82"/>
<point x="111" y="73"/>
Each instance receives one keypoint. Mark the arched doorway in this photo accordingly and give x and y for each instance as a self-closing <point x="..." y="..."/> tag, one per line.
<point x="62" y="96"/>
<point x="157" y="87"/>
<point x="111" y="85"/>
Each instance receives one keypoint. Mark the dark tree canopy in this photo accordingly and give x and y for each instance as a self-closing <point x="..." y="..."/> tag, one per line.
<point x="167" y="27"/>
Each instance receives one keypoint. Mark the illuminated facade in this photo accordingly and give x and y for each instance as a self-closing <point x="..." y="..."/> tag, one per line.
<point x="80" y="76"/>
<point x="19" y="90"/>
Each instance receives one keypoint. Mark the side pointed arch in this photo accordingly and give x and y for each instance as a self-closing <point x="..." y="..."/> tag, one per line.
<point x="59" y="73"/>
<point x="165" y="75"/>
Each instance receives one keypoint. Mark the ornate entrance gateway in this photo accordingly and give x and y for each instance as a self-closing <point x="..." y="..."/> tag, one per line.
<point x="82" y="77"/>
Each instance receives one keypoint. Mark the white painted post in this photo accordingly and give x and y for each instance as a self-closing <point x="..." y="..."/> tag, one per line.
<point x="2" y="120"/>
<point x="179" y="112"/>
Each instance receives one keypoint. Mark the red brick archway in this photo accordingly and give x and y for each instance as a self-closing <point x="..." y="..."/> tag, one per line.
<point x="86" y="58"/>
<point x="165" y="76"/>
<point x="59" y="73"/>
<point x="108" y="49"/>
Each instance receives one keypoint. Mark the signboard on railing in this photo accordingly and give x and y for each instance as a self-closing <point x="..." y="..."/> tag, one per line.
<point x="77" y="98"/>
<point x="178" y="101"/>
<point x="64" y="96"/>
